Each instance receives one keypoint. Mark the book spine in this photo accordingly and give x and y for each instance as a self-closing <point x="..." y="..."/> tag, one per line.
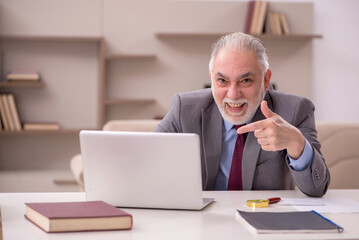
<point x="254" y="18"/>
<point x="247" y="26"/>
<point x="2" y="114"/>
<point x="14" y="112"/>
<point x="261" y="17"/>
<point x="10" y="126"/>
<point x="340" y="229"/>
<point x="284" y="23"/>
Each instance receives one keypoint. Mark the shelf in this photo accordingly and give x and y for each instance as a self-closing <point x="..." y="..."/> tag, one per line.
<point x="130" y="56"/>
<point x="51" y="38"/>
<point x="45" y="132"/>
<point x="217" y="35"/>
<point x="177" y="34"/>
<point x="128" y="101"/>
<point x="21" y="84"/>
<point x="289" y="37"/>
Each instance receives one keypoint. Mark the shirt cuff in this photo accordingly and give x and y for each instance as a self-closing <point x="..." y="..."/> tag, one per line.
<point x="304" y="160"/>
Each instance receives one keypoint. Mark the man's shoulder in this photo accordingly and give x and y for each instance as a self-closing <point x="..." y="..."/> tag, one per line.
<point x="200" y="98"/>
<point x="197" y="94"/>
<point x="290" y="106"/>
<point x="281" y="98"/>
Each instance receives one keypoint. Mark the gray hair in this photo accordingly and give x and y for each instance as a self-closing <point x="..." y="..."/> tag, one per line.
<point x="242" y="42"/>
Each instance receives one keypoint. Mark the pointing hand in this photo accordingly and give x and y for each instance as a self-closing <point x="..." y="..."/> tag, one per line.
<point x="275" y="134"/>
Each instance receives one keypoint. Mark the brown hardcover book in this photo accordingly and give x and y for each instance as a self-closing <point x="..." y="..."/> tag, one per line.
<point x="276" y="24"/>
<point x="33" y="126"/>
<point x="284" y="23"/>
<point x="14" y="113"/>
<point x="6" y="105"/>
<point x="23" y="76"/>
<point x="4" y="117"/>
<point x="77" y="216"/>
<point x="254" y="21"/>
<point x="262" y="13"/>
<point x="247" y="26"/>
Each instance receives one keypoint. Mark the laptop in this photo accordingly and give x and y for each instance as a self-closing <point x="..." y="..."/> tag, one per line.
<point x="143" y="169"/>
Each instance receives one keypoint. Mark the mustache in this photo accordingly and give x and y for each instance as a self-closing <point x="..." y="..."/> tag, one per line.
<point x="237" y="101"/>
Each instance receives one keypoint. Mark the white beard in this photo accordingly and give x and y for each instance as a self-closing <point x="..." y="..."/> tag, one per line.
<point x="251" y="108"/>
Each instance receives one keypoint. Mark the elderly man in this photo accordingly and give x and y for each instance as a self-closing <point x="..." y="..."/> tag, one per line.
<point x="252" y="137"/>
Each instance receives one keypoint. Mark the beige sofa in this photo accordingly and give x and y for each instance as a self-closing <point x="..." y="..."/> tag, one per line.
<point x="340" y="146"/>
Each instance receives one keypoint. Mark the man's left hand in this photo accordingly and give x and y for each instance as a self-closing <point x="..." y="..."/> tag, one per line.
<point x="275" y="134"/>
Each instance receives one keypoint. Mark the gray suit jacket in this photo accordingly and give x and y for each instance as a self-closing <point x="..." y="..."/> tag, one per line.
<point x="197" y="112"/>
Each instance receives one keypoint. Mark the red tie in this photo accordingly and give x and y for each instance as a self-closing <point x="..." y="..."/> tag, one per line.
<point x="235" y="176"/>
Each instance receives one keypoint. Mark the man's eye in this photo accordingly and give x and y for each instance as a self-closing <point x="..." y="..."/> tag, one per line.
<point x="247" y="82"/>
<point x="221" y="80"/>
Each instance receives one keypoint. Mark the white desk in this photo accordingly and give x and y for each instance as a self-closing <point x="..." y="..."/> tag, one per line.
<point x="217" y="221"/>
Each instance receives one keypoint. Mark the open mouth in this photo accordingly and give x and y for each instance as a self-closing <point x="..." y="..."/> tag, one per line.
<point x="235" y="108"/>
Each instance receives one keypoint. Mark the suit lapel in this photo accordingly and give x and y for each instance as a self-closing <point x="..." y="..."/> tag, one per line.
<point x="252" y="150"/>
<point x="212" y="143"/>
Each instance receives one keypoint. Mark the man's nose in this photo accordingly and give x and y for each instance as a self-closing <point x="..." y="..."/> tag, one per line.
<point x="234" y="92"/>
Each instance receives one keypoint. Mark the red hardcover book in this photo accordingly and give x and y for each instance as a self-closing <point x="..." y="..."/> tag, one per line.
<point x="77" y="216"/>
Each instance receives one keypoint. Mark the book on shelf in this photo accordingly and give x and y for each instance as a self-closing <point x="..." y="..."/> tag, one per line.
<point x="277" y="24"/>
<point x="273" y="26"/>
<point x="260" y="20"/>
<point x="249" y="17"/>
<point x="77" y="216"/>
<point x="14" y="112"/>
<point x="286" y="222"/>
<point x="256" y="16"/>
<point x="41" y="126"/>
<point x="9" y="113"/>
<point x="3" y="116"/>
<point x="5" y="113"/>
<point x="284" y="23"/>
<point x="263" y="6"/>
<point x="23" y="76"/>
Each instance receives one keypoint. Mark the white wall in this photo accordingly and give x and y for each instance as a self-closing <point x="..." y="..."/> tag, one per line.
<point x="336" y="60"/>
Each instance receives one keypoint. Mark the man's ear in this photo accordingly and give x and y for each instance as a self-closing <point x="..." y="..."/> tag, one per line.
<point x="267" y="78"/>
<point x="210" y="76"/>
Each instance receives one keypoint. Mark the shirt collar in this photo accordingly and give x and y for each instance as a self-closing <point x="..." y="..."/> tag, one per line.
<point x="228" y="126"/>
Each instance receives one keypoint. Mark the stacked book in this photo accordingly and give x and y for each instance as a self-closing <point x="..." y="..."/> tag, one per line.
<point x="260" y="20"/>
<point x="23" y="76"/>
<point x="41" y="126"/>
